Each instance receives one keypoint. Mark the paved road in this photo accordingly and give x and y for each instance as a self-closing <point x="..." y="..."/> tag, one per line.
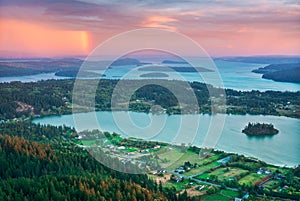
<point x="199" y="181"/>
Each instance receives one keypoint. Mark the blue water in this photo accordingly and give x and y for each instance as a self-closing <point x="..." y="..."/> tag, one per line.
<point x="281" y="149"/>
<point x="234" y="75"/>
<point x="32" y="78"/>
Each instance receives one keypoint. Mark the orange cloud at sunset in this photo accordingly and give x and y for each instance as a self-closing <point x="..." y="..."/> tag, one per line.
<point x="160" y="22"/>
<point x="41" y="40"/>
<point x="222" y="28"/>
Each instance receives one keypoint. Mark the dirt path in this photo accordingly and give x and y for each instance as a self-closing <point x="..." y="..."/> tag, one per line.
<point x="22" y="107"/>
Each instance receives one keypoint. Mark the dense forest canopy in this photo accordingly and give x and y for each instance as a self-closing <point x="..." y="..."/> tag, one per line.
<point x="55" y="97"/>
<point x="259" y="129"/>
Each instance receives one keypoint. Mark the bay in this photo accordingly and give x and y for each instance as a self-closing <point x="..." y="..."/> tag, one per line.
<point x="282" y="149"/>
<point x="233" y="75"/>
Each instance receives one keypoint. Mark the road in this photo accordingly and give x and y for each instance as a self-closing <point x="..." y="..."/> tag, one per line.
<point x="199" y="181"/>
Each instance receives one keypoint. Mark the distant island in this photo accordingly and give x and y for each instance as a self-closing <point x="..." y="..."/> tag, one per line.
<point x="73" y="73"/>
<point x="154" y="75"/>
<point x="185" y="69"/>
<point x="174" y="62"/>
<point x="260" y="129"/>
<point x="275" y="59"/>
<point x="281" y="72"/>
<point x="126" y="61"/>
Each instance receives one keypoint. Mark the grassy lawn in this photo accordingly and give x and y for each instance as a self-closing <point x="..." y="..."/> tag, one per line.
<point x="251" y="179"/>
<point x="280" y="169"/>
<point x="223" y="195"/>
<point x="202" y="169"/>
<point x="179" y="185"/>
<point x="203" y="176"/>
<point x="175" y="158"/>
<point x="272" y="184"/>
<point x="215" y="197"/>
<point x="169" y="155"/>
<point x="224" y="174"/>
<point x="88" y="142"/>
<point x="229" y="193"/>
<point x="213" y="157"/>
<point x="130" y="149"/>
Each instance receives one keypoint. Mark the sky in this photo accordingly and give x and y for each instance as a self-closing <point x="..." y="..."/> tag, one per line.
<point x="60" y="28"/>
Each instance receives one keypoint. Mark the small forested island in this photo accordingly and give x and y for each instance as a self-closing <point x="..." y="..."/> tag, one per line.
<point x="260" y="129"/>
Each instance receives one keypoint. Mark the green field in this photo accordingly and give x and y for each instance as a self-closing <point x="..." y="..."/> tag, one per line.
<point x="202" y="169"/>
<point x="251" y="179"/>
<point x="229" y="193"/>
<point x="272" y="184"/>
<point x="88" y="142"/>
<point x="216" y="197"/>
<point x="178" y="186"/>
<point x="225" y="174"/>
<point x="174" y="158"/>
<point x="223" y="195"/>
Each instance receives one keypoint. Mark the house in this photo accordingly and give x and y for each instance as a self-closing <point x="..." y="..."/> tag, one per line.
<point x="263" y="171"/>
<point x="180" y="170"/>
<point x="200" y="187"/>
<point x="224" y="160"/>
<point x="176" y="178"/>
<point x="246" y="196"/>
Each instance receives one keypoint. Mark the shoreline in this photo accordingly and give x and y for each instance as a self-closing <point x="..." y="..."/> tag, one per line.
<point x="161" y="139"/>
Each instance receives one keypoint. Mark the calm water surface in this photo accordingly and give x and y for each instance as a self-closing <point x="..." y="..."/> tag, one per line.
<point x="281" y="149"/>
<point x="233" y="75"/>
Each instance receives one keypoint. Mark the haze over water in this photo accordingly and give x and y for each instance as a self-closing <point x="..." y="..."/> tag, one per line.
<point x="234" y="75"/>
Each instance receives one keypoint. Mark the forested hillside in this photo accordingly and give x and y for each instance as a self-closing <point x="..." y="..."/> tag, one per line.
<point x="41" y="163"/>
<point x="55" y="97"/>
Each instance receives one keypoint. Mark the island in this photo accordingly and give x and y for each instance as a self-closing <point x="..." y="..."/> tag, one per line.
<point x="174" y="62"/>
<point x="74" y="73"/>
<point x="154" y="75"/>
<point x="289" y="72"/>
<point x="126" y="61"/>
<point x="260" y="129"/>
<point x="184" y="69"/>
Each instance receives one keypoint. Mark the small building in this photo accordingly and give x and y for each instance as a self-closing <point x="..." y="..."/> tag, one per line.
<point x="180" y="170"/>
<point x="200" y="187"/>
<point x="121" y="147"/>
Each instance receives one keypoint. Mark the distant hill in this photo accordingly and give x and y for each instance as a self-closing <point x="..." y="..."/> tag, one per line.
<point x="263" y="59"/>
<point x="281" y="72"/>
<point x="23" y="67"/>
<point x="174" y="68"/>
<point x="276" y="67"/>
<point x="292" y="75"/>
<point x="126" y="61"/>
<point x="173" y="62"/>
<point x="8" y="71"/>
<point x="154" y="75"/>
<point x="73" y="73"/>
